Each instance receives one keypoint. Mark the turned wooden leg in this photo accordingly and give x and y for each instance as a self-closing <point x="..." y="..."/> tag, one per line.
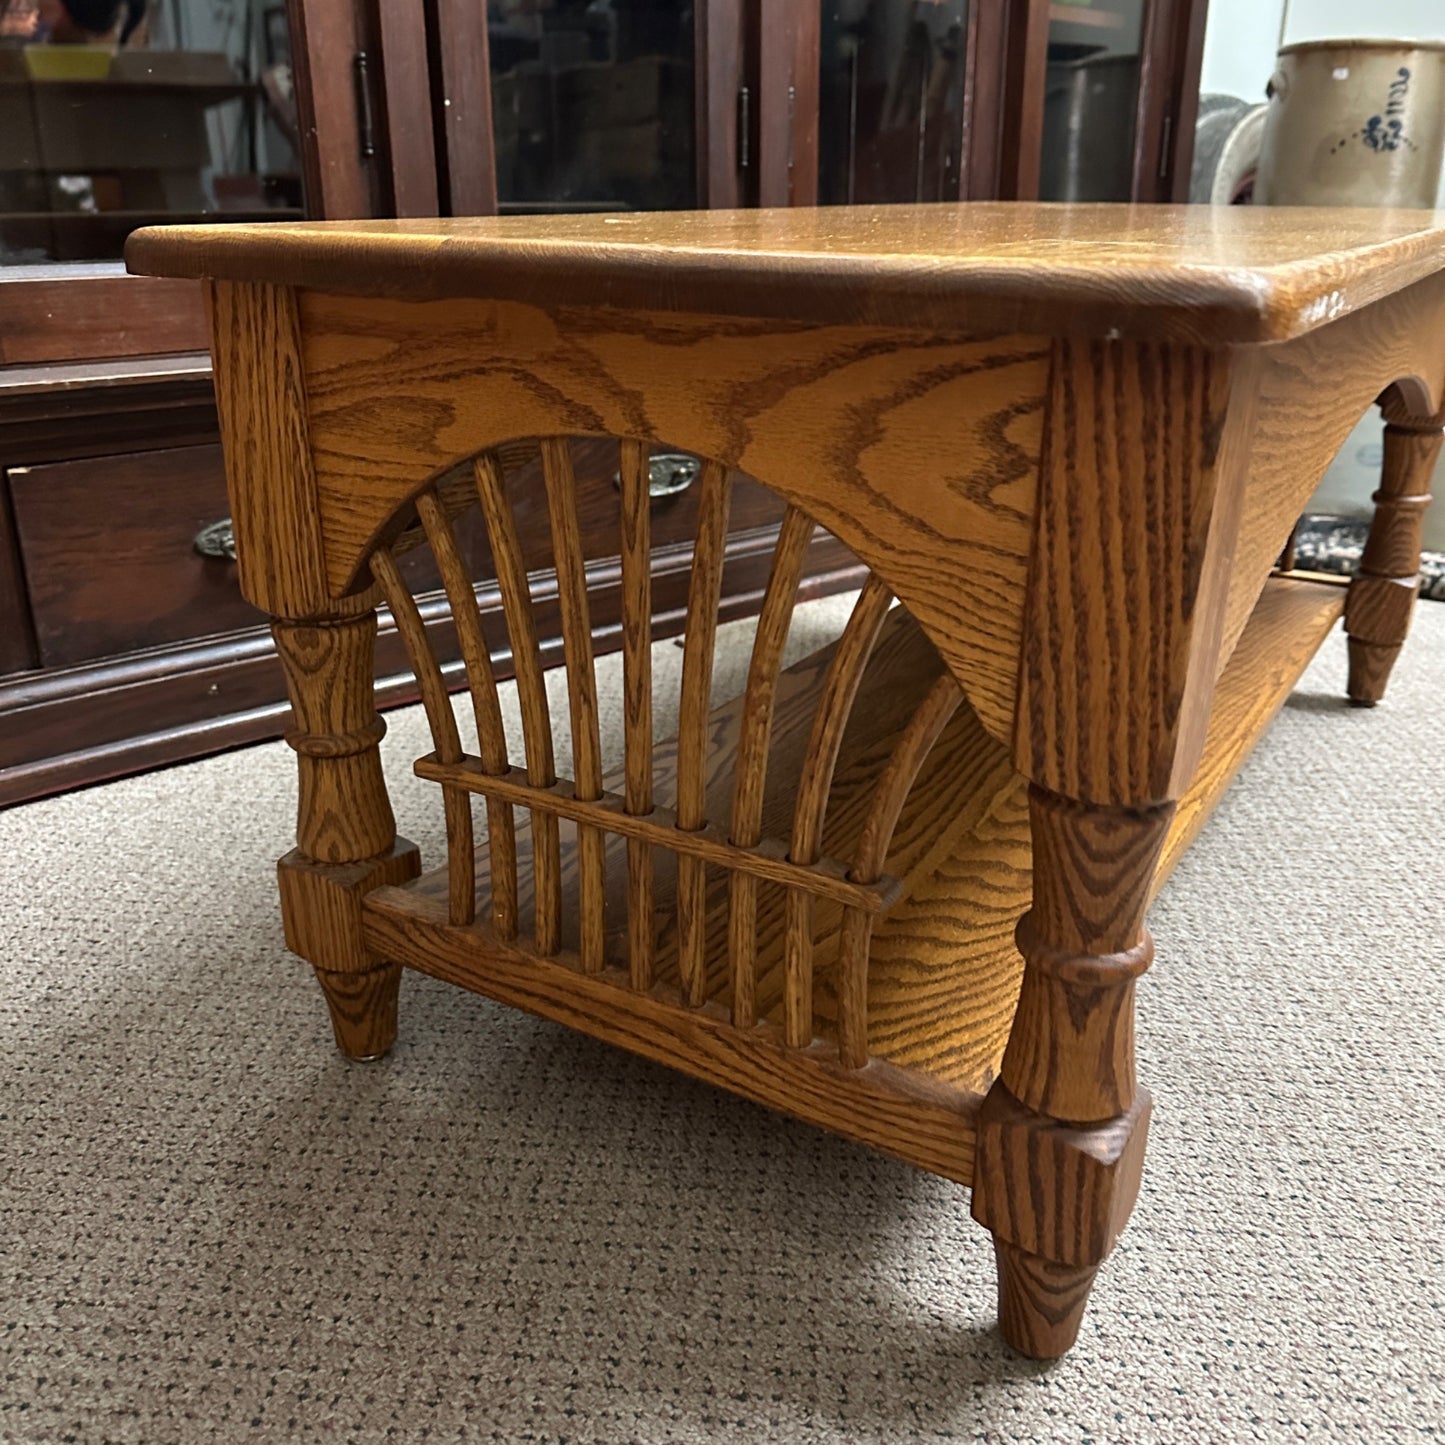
<point x="1382" y="593"/>
<point x="346" y="841"/>
<point x="1061" y="1134"/>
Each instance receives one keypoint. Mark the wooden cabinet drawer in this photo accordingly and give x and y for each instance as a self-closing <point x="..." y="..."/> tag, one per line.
<point x="109" y="550"/>
<point x="111" y="566"/>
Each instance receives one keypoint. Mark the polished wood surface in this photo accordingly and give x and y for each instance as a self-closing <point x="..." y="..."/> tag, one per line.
<point x="1196" y="273"/>
<point x="1049" y="436"/>
<point x="844" y="422"/>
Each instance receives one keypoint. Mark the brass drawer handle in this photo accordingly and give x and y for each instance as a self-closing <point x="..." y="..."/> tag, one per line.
<point x="668" y="474"/>
<point x="217" y="540"/>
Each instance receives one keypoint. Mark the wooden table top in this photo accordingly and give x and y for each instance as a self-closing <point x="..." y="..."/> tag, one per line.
<point x="1199" y="273"/>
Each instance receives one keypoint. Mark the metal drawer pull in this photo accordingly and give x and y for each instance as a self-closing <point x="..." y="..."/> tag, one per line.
<point x="217" y="540"/>
<point x="668" y="473"/>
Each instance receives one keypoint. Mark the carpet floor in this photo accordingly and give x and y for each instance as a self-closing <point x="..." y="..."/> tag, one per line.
<point x="212" y="1227"/>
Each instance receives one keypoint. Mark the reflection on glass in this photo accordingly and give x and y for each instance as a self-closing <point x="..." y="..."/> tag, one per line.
<point x="592" y="104"/>
<point x="119" y="113"/>
<point x="890" y="100"/>
<point x="1091" y="90"/>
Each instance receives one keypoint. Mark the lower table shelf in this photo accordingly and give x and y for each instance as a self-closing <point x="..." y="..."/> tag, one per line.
<point x="943" y="972"/>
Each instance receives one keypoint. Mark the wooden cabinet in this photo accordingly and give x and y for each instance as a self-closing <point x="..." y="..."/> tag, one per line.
<point x="111" y="558"/>
<point x="644" y="104"/>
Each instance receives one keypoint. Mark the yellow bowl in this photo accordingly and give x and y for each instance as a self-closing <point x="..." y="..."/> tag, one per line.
<point x="68" y="62"/>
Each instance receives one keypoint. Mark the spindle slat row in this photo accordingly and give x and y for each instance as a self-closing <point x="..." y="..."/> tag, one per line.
<point x="736" y="845"/>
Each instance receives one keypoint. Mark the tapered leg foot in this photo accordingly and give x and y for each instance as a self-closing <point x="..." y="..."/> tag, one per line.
<point x="1370" y="666"/>
<point x="1040" y="1303"/>
<point x="363" y="1009"/>
<point x="1382" y="593"/>
<point x="1061" y="1133"/>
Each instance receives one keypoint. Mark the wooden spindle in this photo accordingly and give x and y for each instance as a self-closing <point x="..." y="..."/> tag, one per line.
<point x="1381" y="599"/>
<point x="754" y="731"/>
<point x="930" y="718"/>
<point x="531" y="695"/>
<point x="704" y="594"/>
<point x="637" y="700"/>
<point x="561" y="487"/>
<point x="835" y="704"/>
<point x="461" y="844"/>
<point x="486" y="707"/>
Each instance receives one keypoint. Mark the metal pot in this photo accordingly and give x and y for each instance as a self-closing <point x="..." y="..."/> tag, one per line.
<point x="1354" y="123"/>
<point x="1088" y="135"/>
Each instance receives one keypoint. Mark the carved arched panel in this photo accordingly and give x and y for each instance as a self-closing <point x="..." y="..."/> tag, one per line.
<point x="918" y="451"/>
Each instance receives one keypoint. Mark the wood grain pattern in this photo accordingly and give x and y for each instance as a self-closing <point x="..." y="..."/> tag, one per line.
<point x="343" y="813"/>
<point x="815" y="781"/>
<point x="918" y="451"/>
<point x="1382" y="593"/>
<point x="944" y="975"/>
<point x="436" y="701"/>
<point x="1216" y="274"/>
<point x="1307" y="405"/>
<point x="561" y="487"/>
<point x="636" y="526"/>
<point x="692" y="718"/>
<point x="531" y="691"/>
<point x="901" y="1114"/>
<point x="261" y="400"/>
<point x="879" y="827"/>
<point x="486" y="708"/>
<point x="660" y="828"/>
<point x="321" y="905"/>
<point x="345" y="830"/>
<point x="1138" y="502"/>
<point x="461" y="835"/>
<point x="363" y="1010"/>
<point x="1040" y="1303"/>
<point x="751" y="769"/>
<point x="1061" y="1133"/>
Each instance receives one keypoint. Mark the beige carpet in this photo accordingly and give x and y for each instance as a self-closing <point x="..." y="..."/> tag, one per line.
<point x="213" y="1228"/>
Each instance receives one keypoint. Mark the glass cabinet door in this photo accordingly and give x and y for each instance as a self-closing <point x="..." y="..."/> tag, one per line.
<point x="593" y="104"/>
<point x="1091" y="100"/>
<point x="121" y="113"/>
<point x="891" y="79"/>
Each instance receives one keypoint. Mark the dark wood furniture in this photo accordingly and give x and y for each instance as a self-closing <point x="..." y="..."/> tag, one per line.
<point x="1069" y="441"/>
<point x="114" y="657"/>
<point x="798" y="102"/>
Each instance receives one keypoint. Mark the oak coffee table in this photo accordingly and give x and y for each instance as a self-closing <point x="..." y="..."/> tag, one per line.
<point x="899" y="889"/>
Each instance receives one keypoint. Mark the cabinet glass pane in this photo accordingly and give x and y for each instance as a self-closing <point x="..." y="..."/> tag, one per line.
<point x="592" y="104"/>
<point x="890" y="100"/>
<point x="1091" y="89"/>
<point x="119" y="113"/>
